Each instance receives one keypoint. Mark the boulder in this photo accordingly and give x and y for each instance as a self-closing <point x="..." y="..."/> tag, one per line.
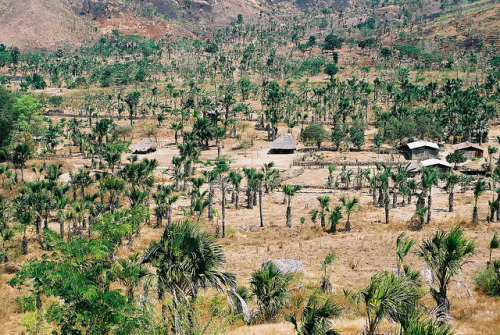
<point x="426" y="275"/>
<point x="286" y="265"/>
<point x="145" y="146"/>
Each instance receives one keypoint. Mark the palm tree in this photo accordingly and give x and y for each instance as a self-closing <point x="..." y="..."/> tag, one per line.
<point x="429" y="178"/>
<point x="235" y="179"/>
<point x="412" y="186"/>
<point x="130" y="274"/>
<point x="334" y="217"/>
<point x="326" y="284"/>
<point x="186" y="259"/>
<point x="20" y="155"/>
<point x="451" y="180"/>
<point x="479" y="188"/>
<point x="445" y="254"/>
<point x="315" y="318"/>
<point x="331" y="168"/>
<point x="270" y="286"/>
<point x="491" y="152"/>
<point x="494" y="244"/>
<point x="289" y="191"/>
<point x="403" y="246"/>
<point x="387" y="296"/>
<point x="350" y="205"/>
<point x="253" y="180"/>
<point x="324" y="201"/>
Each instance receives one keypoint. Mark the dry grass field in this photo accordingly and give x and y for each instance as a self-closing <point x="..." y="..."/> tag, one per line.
<point x="367" y="249"/>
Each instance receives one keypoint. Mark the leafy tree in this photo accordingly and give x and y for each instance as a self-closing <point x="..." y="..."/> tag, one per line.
<point x="445" y="254"/>
<point x="331" y="69"/>
<point x="316" y="133"/>
<point x="79" y="273"/>
<point x="332" y="42"/>
<point x="455" y="157"/>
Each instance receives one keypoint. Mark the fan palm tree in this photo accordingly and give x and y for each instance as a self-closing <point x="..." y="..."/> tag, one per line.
<point x="491" y="152"/>
<point x="349" y="205"/>
<point x="235" y="179"/>
<point x="130" y="274"/>
<point x="479" y="188"/>
<point x="289" y="191"/>
<point x="387" y="296"/>
<point x="451" y="180"/>
<point x="403" y="246"/>
<point x="270" y="287"/>
<point x="187" y="259"/>
<point x="324" y="202"/>
<point x="445" y="254"/>
<point x="494" y="244"/>
<point x="334" y="216"/>
<point x="429" y="178"/>
<point x="316" y="316"/>
<point x="326" y="285"/>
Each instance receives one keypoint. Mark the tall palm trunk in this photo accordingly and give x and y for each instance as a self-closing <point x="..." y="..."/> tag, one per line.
<point x="223" y="209"/>
<point x="260" y="207"/>
<point x="289" y="214"/>
<point x="386" y="206"/>
<point x="451" y="200"/>
<point x="210" y="202"/>
<point x="249" y="199"/>
<point x="394" y="197"/>
<point x="475" y="214"/>
<point x="429" y="206"/>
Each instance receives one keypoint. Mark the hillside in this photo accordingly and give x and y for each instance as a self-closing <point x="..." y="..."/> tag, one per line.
<point x="52" y="24"/>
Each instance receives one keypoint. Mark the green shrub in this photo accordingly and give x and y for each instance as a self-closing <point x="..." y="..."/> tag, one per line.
<point x="488" y="281"/>
<point x="26" y="303"/>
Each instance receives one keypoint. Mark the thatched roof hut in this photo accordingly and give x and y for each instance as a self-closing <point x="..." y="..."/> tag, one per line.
<point x="285" y="144"/>
<point x="145" y="146"/>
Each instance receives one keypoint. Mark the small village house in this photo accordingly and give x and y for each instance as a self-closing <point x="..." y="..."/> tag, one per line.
<point x="285" y="144"/>
<point x="469" y="150"/>
<point x="441" y="165"/>
<point x="420" y="150"/>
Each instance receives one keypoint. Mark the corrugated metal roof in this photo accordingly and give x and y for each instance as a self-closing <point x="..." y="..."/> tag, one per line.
<point x="466" y="145"/>
<point x="419" y="144"/>
<point x="434" y="161"/>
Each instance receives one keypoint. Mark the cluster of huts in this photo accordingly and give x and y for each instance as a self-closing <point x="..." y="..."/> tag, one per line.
<point x="425" y="153"/>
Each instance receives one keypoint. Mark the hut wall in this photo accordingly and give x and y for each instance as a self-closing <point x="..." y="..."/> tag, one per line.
<point x="423" y="153"/>
<point x="471" y="153"/>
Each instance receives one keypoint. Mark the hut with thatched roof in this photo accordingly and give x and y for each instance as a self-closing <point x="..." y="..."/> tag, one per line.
<point x="145" y="146"/>
<point x="285" y="144"/>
